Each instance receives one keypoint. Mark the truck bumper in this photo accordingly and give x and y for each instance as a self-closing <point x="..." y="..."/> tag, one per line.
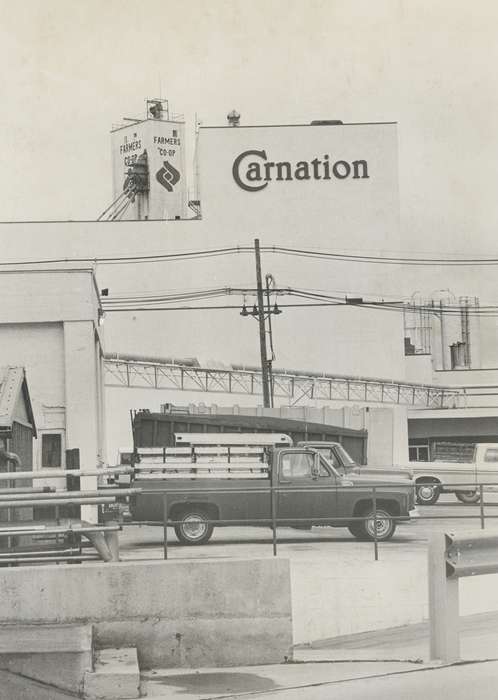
<point x="414" y="515"/>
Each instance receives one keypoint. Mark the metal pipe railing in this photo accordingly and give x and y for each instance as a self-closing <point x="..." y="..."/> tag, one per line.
<point x="274" y="521"/>
<point x="62" y="473"/>
<point x="58" y="502"/>
<point x="56" y="495"/>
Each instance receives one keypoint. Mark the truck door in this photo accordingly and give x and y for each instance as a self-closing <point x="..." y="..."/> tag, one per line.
<point x="305" y="474"/>
<point x="487" y="466"/>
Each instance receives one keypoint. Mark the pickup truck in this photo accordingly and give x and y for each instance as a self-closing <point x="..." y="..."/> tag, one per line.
<point x="342" y="462"/>
<point x="460" y="478"/>
<point x="242" y="476"/>
<point x="430" y="478"/>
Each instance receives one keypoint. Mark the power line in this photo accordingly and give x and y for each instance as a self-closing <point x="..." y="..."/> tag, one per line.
<point x="379" y="259"/>
<point x="127" y="259"/>
<point x="276" y="249"/>
<point x="137" y="301"/>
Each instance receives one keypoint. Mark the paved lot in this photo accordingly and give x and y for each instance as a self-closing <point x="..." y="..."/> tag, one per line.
<point x="146" y="542"/>
<point x="390" y="663"/>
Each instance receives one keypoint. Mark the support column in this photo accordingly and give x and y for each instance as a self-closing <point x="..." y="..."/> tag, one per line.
<point x="444" y="610"/>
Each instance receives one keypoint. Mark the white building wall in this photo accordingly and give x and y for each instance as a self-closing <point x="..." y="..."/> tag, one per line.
<point x="39" y="348"/>
<point x="48" y="324"/>
<point x="82" y="395"/>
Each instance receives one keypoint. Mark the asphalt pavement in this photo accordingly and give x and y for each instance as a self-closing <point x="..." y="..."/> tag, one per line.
<point x="373" y="665"/>
<point x="449" y="515"/>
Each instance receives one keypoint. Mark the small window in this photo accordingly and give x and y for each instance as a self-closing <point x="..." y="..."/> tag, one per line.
<point x="491" y="455"/>
<point x="297" y="465"/>
<point x="418" y="453"/>
<point x="51" y="450"/>
<point x="175" y="133"/>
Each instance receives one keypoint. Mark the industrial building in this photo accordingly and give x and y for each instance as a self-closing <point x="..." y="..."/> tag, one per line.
<point x="422" y="370"/>
<point x="49" y="325"/>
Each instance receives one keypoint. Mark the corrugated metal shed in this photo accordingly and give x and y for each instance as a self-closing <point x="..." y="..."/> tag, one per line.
<point x="15" y="403"/>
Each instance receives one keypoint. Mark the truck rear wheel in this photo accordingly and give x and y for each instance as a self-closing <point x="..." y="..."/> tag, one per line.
<point x="193" y="527"/>
<point x="468" y="496"/>
<point x="381" y="525"/>
<point x="428" y="492"/>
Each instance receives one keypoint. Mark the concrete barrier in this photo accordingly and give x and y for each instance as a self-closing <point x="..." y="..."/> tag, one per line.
<point x="57" y="655"/>
<point x="177" y="613"/>
<point x="352" y="594"/>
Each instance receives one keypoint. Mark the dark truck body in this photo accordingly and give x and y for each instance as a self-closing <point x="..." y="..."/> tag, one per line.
<point x="310" y="492"/>
<point x="340" y="459"/>
<point x="159" y="429"/>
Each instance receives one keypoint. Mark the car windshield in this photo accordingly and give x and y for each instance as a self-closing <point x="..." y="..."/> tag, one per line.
<point x="346" y="458"/>
<point x="337" y="457"/>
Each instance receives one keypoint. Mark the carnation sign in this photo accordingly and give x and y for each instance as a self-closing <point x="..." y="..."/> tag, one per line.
<point x="252" y="170"/>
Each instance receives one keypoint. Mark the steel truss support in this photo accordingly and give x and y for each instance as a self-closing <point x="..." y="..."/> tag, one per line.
<point x="295" y="388"/>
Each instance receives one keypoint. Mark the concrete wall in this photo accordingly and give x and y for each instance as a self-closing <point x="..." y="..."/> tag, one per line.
<point x="207" y="613"/>
<point x="83" y="409"/>
<point x="357" y="594"/>
<point x="418" y="368"/>
<point x="54" y="295"/>
<point x="39" y="347"/>
<point x="387" y="436"/>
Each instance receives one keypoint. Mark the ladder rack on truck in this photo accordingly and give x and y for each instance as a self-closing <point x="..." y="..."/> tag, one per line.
<point x="208" y="462"/>
<point x="208" y="455"/>
<point x="232" y="439"/>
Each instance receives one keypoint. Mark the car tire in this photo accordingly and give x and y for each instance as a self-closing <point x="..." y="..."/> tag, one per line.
<point x="468" y="496"/>
<point x="193" y="528"/>
<point x="366" y="529"/>
<point x="427" y="492"/>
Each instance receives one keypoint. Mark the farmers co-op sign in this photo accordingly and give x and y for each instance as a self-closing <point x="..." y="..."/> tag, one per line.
<point x="253" y="171"/>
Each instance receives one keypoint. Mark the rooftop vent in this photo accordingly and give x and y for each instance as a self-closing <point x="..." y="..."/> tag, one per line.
<point x="233" y="118"/>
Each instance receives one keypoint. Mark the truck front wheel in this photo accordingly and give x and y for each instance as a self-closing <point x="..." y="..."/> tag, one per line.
<point x="193" y="527"/>
<point x="427" y="492"/>
<point x="381" y="527"/>
<point x="468" y="496"/>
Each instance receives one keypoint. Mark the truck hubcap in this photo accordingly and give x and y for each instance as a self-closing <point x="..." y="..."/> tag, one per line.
<point x="378" y="526"/>
<point x="194" y="527"/>
<point x="426" y="492"/>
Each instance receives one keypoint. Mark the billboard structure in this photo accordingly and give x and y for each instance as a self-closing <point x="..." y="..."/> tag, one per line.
<point x="148" y="162"/>
<point x="333" y="182"/>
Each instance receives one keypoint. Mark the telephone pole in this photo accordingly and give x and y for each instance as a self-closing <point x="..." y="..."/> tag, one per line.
<point x="262" y="328"/>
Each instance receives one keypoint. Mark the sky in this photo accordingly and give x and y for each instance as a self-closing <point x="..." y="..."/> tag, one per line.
<point x="69" y="70"/>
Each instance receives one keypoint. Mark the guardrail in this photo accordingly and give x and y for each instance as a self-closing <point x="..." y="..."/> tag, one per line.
<point x="452" y="557"/>
<point x="274" y="520"/>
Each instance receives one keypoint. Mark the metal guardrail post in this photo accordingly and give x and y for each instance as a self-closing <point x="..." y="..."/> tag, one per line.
<point x="112" y="540"/>
<point x="376" y="544"/>
<point x="273" y="519"/>
<point x="443" y="604"/>
<point x="481" y="505"/>
<point x="165" y="525"/>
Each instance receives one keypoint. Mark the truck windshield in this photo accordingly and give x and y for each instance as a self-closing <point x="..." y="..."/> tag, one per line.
<point x="347" y="460"/>
<point x="337" y="457"/>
